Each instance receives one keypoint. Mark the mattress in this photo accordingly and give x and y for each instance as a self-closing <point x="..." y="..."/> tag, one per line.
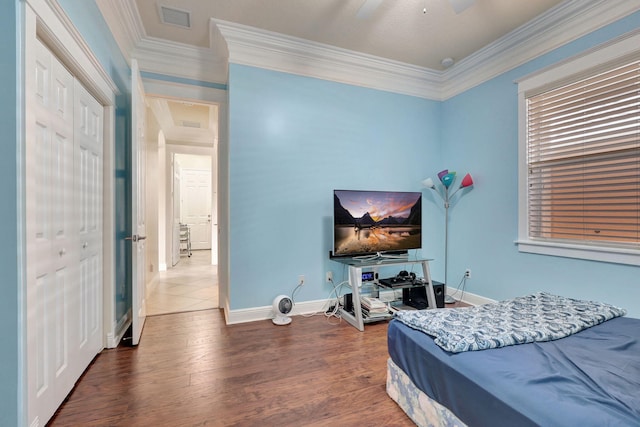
<point x="591" y="378"/>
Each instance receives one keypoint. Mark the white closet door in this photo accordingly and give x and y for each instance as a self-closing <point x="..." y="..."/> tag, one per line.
<point x="51" y="256"/>
<point x="88" y="134"/>
<point x="57" y="298"/>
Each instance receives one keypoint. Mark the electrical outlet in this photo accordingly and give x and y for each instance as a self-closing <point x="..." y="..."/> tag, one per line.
<point x="467" y="273"/>
<point x="301" y="279"/>
<point x="329" y="277"/>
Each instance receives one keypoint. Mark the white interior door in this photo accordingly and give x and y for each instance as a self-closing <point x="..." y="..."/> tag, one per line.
<point x="196" y="206"/>
<point x="175" y="218"/>
<point x="138" y="236"/>
<point x="63" y="160"/>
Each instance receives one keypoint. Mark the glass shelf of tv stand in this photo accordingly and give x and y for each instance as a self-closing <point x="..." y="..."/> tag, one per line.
<point x="356" y="266"/>
<point x="378" y="262"/>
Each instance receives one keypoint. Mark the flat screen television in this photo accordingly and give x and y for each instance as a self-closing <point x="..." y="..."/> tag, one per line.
<point x="371" y="224"/>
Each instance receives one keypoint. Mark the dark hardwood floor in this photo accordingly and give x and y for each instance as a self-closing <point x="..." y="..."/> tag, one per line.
<point x="191" y="369"/>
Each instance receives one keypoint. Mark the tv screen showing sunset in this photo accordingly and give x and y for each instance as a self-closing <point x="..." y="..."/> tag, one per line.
<point x="369" y="222"/>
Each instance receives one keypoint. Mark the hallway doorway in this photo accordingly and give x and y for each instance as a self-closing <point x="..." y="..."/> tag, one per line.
<point x="182" y="193"/>
<point x="190" y="285"/>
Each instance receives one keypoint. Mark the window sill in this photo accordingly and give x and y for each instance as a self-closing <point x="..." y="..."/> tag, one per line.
<point x="592" y="253"/>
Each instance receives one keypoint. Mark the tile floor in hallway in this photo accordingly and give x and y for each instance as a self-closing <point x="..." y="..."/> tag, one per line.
<point x="189" y="286"/>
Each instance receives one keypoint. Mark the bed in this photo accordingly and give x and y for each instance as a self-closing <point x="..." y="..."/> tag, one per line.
<point x="579" y="365"/>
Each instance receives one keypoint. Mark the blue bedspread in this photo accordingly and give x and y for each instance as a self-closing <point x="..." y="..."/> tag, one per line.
<point x="532" y="318"/>
<point x="591" y="378"/>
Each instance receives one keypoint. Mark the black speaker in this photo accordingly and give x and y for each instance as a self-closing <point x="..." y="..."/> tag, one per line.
<point x="348" y="302"/>
<point x="416" y="297"/>
<point x="438" y="290"/>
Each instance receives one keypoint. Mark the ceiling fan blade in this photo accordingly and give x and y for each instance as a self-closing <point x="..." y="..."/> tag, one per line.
<point x="461" y="5"/>
<point x="367" y="8"/>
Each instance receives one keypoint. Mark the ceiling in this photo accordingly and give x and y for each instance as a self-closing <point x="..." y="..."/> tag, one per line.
<point x="420" y="33"/>
<point x="398" y="30"/>
<point x="184" y="122"/>
<point x="395" y="45"/>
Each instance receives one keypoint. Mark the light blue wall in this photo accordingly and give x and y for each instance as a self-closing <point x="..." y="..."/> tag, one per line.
<point x="292" y="141"/>
<point x="10" y="299"/>
<point x="182" y="80"/>
<point x="480" y="135"/>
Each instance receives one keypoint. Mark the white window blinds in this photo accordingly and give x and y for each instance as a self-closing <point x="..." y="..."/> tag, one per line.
<point x="583" y="158"/>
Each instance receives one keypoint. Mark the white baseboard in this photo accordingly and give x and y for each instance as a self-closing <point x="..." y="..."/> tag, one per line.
<point x="266" y="312"/>
<point x="114" y="339"/>
<point x="308" y="307"/>
<point x="152" y="285"/>
<point x="469" y="298"/>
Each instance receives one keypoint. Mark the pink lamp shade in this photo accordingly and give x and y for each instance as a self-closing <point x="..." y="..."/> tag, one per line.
<point x="467" y="181"/>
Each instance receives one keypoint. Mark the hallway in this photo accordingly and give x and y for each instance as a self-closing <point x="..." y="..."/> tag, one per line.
<point x="190" y="286"/>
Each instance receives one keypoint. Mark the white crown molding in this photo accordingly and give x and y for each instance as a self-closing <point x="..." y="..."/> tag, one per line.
<point x="155" y="55"/>
<point x="180" y="60"/>
<point x="558" y="26"/>
<point x="124" y="21"/>
<point x="259" y="48"/>
<point x="274" y="51"/>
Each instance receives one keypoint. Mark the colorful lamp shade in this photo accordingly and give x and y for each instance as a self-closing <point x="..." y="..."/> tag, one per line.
<point x="442" y="173"/>
<point x="448" y="179"/>
<point x="428" y="183"/>
<point x="467" y="181"/>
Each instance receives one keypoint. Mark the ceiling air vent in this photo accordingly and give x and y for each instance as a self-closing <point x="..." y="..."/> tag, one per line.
<point x="189" y="124"/>
<point x="173" y="16"/>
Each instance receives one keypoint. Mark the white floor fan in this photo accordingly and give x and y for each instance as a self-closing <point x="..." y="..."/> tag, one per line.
<point x="369" y="6"/>
<point x="282" y="306"/>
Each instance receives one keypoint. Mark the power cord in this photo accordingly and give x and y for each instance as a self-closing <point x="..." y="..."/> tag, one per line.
<point x="333" y="311"/>
<point x="328" y="310"/>
<point x="463" y="283"/>
<point x="293" y="293"/>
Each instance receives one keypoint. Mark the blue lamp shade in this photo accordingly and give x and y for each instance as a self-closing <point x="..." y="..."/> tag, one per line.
<point x="448" y="179"/>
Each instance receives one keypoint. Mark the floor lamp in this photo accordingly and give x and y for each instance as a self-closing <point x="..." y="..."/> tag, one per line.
<point x="447" y="179"/>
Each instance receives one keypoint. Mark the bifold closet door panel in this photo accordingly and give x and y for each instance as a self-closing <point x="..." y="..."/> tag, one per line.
<point x="63" y="190"/>
<point x="88" y="135"/>
<point x="52" y="259"/>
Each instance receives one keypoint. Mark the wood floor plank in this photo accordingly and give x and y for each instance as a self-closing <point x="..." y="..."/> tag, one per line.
<point x="190" y="369"/>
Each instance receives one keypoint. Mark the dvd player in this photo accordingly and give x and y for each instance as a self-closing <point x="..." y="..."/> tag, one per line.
<point x="396" y="282"/>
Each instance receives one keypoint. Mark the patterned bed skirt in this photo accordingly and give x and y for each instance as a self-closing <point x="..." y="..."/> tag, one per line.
<point x="423" y="410"/>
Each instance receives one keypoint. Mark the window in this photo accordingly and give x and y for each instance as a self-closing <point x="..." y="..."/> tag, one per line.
<point x="580" y="159"/>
